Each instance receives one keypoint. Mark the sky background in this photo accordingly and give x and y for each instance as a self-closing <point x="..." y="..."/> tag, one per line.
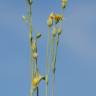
<point x="76" y="63"/>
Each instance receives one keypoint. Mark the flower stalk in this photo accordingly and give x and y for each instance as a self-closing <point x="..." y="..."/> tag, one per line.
<point x="55" y="24"/>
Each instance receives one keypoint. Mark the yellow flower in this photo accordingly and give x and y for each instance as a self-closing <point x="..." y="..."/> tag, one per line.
<point x="36" y="80"/>
<point x="51" y="15"/>
<point x="58" y="17"/>
<point x="50" y="19"/>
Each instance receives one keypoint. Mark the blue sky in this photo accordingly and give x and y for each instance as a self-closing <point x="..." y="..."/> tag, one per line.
<point x="76" y="64"/>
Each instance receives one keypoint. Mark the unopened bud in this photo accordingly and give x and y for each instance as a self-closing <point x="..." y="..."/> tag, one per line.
<point x="64" y="3"/>
<point x="38" y="35"/>
<point x="50" y="22"/>
<point x="54" y="32"/>
<point x="59" y="30"/>
<point x="35" y="55"/>
<point x="24" y="18"/>
<point x="51" y="15"/>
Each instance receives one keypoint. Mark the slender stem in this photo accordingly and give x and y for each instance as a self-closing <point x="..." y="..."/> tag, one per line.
<point x="53" y="83"/>
<point x="37" y="91"/>
<point x="36" y="58"/>
<point x="30" y="33"/>
<point x="53" y="74"/>
<point x="47" y="63"/>
<point x="53" y="55"/>
<point x="46" y="89"/>
<point x="30" y="39"/>
<point x="56" y="50"/>
<point x="52" y="48"/>
<point x="54" y="66"/>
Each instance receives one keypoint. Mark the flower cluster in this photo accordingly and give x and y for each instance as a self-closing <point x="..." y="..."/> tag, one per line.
<point x="54" y="17"/>
<point x="54" y="24"/>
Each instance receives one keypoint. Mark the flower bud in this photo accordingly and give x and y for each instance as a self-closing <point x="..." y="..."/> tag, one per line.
<point x="54" y="32"/>
<point x="35" y="55"/>
<point x="51" y="15"/>
<point x="64" y="3"/>
<point x="50" y="22"/>
<point x="24" y="18"/>
<point x="38" y="35"/>
<point x="59" y="30"/>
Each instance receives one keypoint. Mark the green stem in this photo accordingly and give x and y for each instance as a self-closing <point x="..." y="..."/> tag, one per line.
<point x="30" y="38"/>
<point x="53" y="69"/>
<point x="30" y="33"/>
<point x="37" y="91"/>
<point x="36" y="59"/>
<point x="54" y="66"/>
<point x="47" y="63"/>
<point x="53" y="83"/>
<point x="46" y="89"/>
<point x="56" y="50"/>
<point x="52" y="48"/>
